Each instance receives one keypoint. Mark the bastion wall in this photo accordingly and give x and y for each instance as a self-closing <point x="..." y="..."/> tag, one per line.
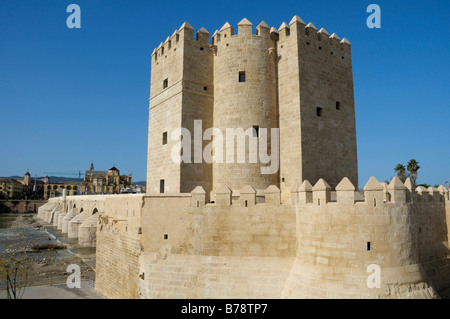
<point x="182" y="246"/>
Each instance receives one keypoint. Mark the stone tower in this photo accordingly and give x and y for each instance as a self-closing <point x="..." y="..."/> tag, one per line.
<point x="27" y="179"/>
<point x="181" y="92"/>
<point x="295" y="79"/>
<point x="316" y="105"/>
<point x="244" y="97"/>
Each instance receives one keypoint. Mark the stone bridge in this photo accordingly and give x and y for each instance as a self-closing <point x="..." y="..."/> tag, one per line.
<point x="76" y="216"/>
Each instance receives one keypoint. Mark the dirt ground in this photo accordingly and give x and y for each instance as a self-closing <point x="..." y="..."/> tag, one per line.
<point x="49" y="253"/>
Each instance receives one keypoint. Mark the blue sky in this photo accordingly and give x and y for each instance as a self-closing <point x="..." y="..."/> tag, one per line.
<point x="69" y="96"/>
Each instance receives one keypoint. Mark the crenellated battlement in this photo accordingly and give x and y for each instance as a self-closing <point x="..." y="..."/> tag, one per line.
<point x="329" y="233"/>
<point x="336" y="229"/>
<point x="295" y="29"/>
<point x="374" y="194"/>
<point x="245" y="28"/>
<point x="185" y="33"/>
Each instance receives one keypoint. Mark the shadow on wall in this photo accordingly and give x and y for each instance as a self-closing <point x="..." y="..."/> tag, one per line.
<point x="435" y="258"/>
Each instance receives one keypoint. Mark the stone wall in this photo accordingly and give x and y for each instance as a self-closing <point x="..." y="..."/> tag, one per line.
<point x="339" y="241"/>
<point x="217" y="277"/>
<point x="313" y="246"/>
<point x="119" y="246"/>
<point x="432" y="234"/>
<point x="308" y="248"/>
<point x="117" y="263"/>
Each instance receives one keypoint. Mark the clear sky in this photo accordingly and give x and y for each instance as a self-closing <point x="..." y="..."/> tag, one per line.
<point x="72" y="96"/>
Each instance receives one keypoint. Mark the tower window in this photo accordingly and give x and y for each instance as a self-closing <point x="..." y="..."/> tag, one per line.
<point x="161" y="186"/>
<point x="205" y="88"/>
<point x="165" y="83"/>
<point x="164" y="138"/>
<point x="319" y="111"/>
<point x="338" y="105"/>
<point x="166" y="236"/>
<point x="255" y="130"/>
<point x="368" y="246"/>
<point x="242" y="76"/>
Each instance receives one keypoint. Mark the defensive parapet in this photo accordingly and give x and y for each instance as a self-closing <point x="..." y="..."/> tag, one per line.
<point x="343" y="241"/>
<point x="325" y="242"/>
<point x="318" y="39"/>
<point x="341" y="238"/>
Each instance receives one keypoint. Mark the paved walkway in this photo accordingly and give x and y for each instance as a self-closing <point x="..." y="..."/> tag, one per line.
<point x="61" y="291"/>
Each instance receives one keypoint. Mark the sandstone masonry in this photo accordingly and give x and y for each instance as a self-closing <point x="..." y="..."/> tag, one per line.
<point x="226" y="230"/>
<point x="296" y="79"/>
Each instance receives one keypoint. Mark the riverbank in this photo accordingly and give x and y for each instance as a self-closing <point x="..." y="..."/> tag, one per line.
<point x="21" y="206"/>
<point x="50" y="253"/>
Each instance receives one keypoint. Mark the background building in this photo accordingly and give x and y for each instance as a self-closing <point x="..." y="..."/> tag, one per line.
<point x="55" y="189"/>
<point x="105" y="182"/>
<point x="19" y="188"/>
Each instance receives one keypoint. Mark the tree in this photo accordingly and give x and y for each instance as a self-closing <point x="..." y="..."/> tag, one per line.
<point x="14" y="272"/>
<point x="413" y="167"/>
<point x="401" y="170"/>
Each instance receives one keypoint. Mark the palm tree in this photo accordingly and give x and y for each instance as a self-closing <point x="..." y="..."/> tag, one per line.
<point x="412" y="167"/>
<point x="400" y="170"/>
